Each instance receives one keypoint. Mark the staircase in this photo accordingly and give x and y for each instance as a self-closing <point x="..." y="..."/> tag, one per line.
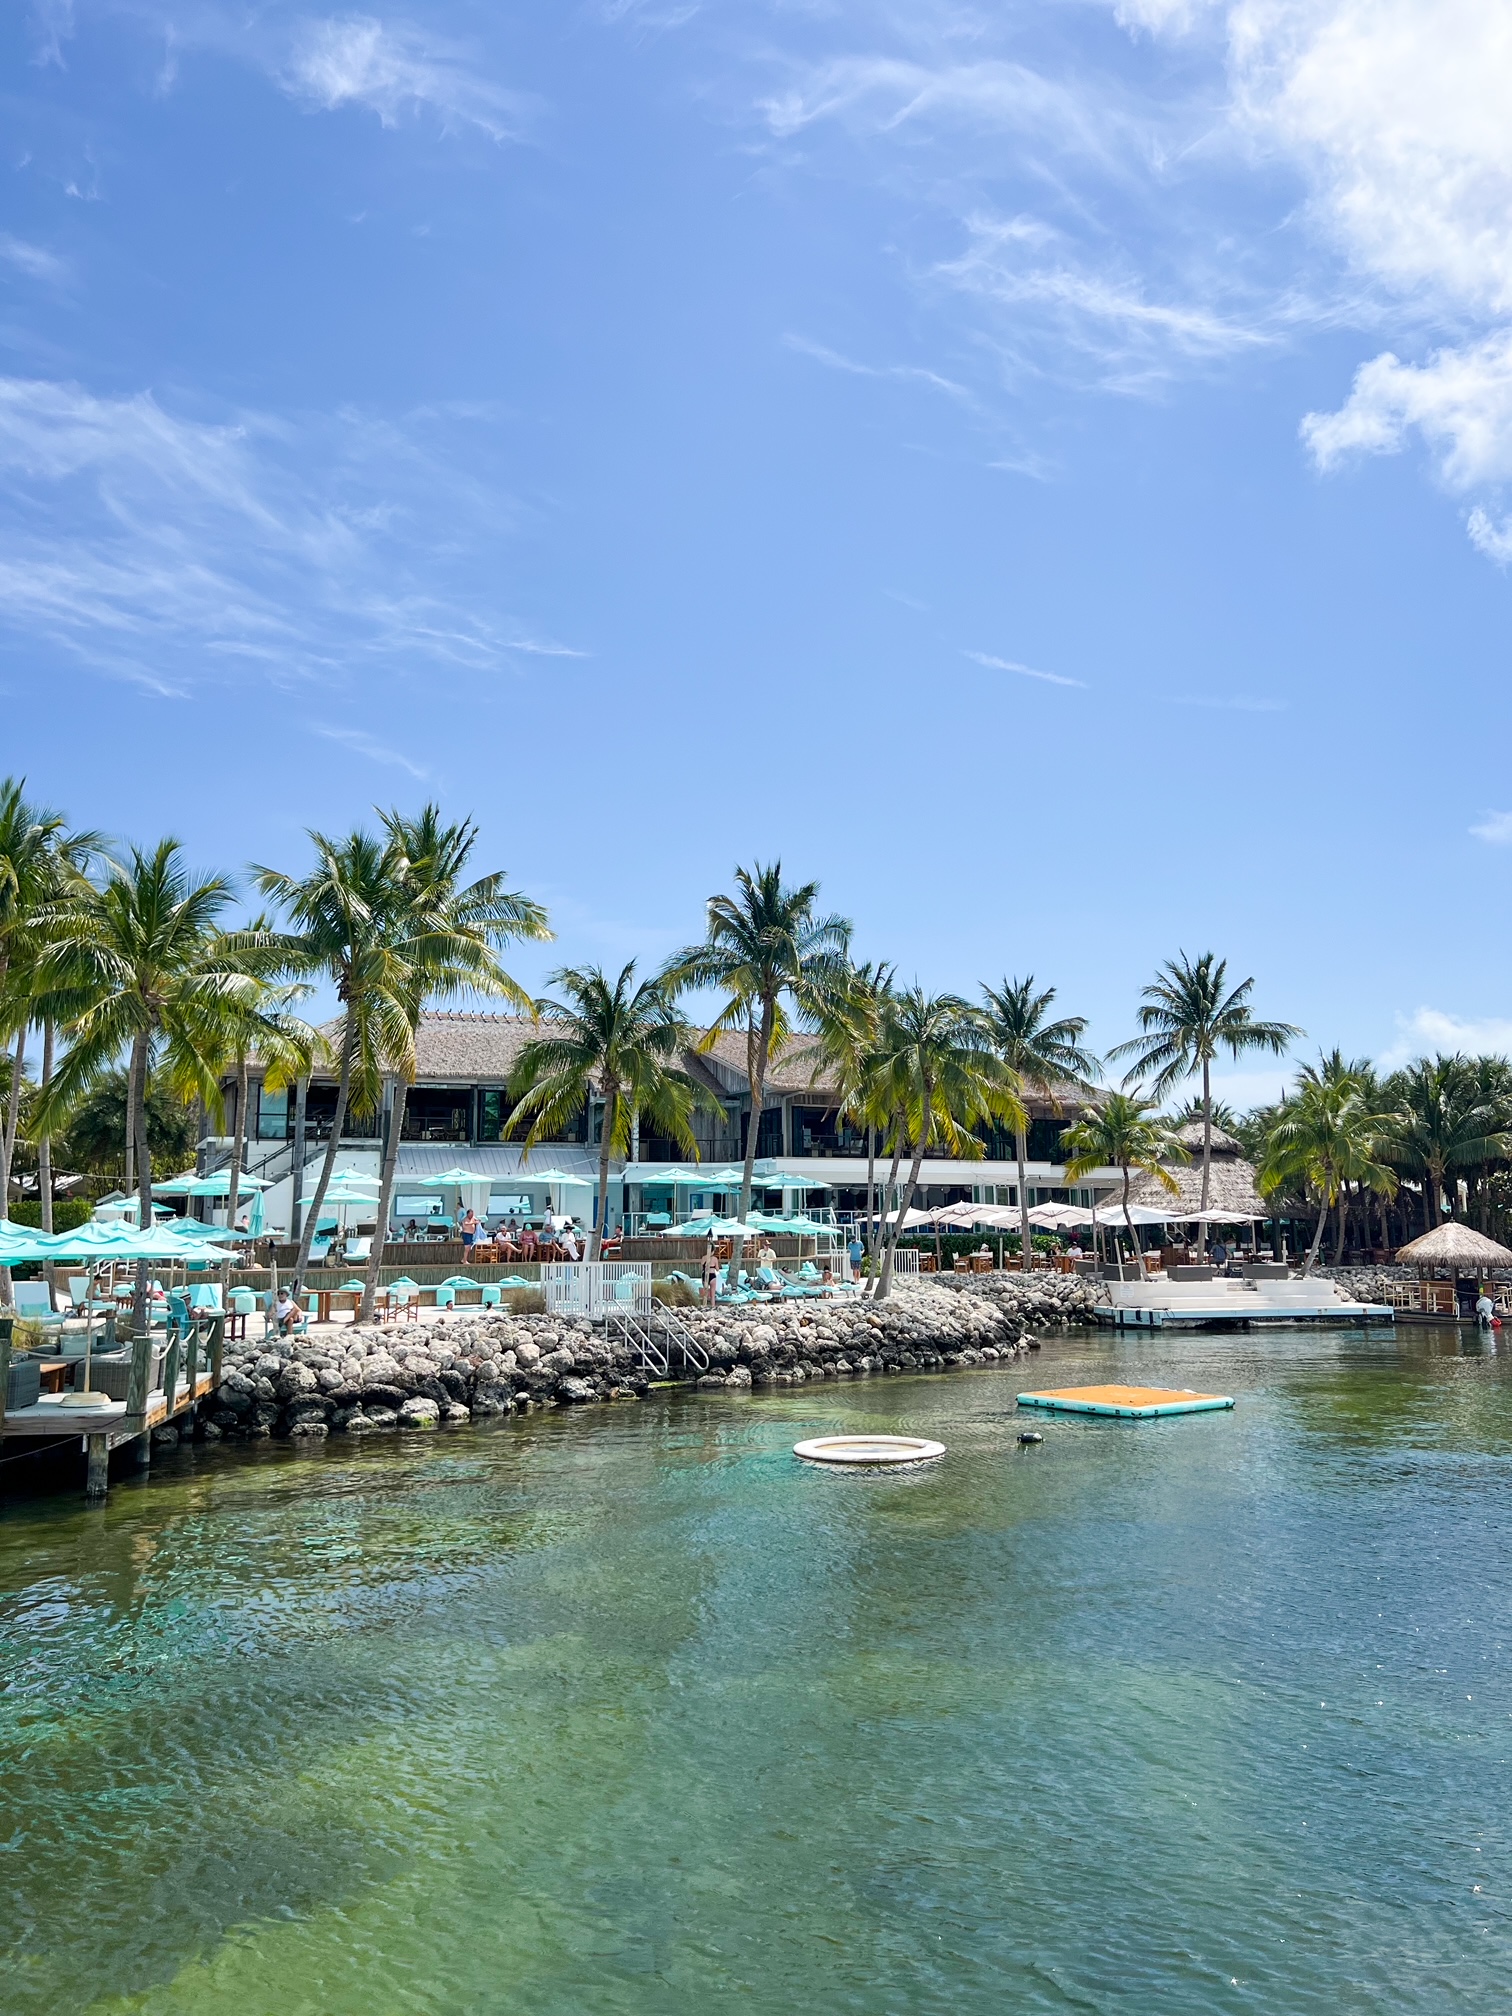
<point x="659" y="1338"/>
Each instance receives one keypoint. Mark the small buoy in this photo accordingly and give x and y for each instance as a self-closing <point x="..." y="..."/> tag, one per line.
<point x="868" y="1449"/>
<point x="1031" y="1435"/>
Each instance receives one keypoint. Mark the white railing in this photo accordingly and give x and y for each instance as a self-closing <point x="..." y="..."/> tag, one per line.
<point x="905" y="1260"/>
<point x="596" y="1288"/>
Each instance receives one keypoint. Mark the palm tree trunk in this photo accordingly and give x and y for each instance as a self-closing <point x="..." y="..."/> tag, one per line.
<point x="871" y="1189"/>
<point x="1025" y="1245"/>
<point x="44" y="1152"/>
<point x="1128" y="1221"/>
<point x="143" y="1174"/>
<point x="763" y="1051"/>
<point x="1433" y="1198"/>
<point x="596" y="1232"/>
<point x="1207" y="1131"/>
<point x="1317" y="1238"/>
<point x="12" y="1120"/>
<point x="1338" y="1259"/>
<point x="238" y="1141"/>
<point x="926" y="1128"/>
<point x="887" y="1190"/>
<point x="338" y="1121"/>
<point x="397" y="1106"/>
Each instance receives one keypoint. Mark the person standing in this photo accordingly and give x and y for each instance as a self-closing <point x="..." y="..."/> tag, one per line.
<point x="710" y="1275"/>
<point x="467" y="1225"/>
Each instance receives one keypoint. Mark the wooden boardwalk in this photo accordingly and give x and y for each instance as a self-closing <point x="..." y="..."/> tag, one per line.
<point x="191" y="1372"/>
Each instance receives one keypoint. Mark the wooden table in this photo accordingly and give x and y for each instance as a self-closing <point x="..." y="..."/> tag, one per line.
<point x="327" y="1298"/>
<point x="55" y="1373"/>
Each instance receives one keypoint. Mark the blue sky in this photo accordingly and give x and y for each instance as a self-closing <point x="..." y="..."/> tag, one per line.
<point x="1038" y="469"/>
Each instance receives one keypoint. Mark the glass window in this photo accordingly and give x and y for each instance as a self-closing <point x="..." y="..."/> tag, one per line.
<point x="272" y="1115"/>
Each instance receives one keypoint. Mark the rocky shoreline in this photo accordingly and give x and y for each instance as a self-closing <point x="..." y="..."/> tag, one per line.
<point x="366" y="1380"/>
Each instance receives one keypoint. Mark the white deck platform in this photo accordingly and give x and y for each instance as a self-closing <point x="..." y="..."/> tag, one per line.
<point x="1159" y="1303"/>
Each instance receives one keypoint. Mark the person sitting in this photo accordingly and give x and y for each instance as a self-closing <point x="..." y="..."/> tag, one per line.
<point x="411" y="1229"/>
<point x="567" y="1240"/>
<point x="286" y="1311"/>
<point x="505" y="1247"/>
<point x="530" y="1245"/>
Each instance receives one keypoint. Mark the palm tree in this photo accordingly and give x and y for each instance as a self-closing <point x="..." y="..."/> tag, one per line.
<point x="1326" y="1135"/>
<point x="765" y="948"/>
<point x="41" y="863"/>
<point x="944" y="1078"/>
<point x="1124" y="1131"/>
<point x="1446" y="1122"/>
<point x="851" y="1047"/>
<point x="342" y="933"/>
<point x="258" y="1021"/>
<point x="1042" y="1056"/>
<point x="133" y="968"/>
<point x="619" y="1037"/>
<point x="1190" y="1013"/>
<point x="444" y="933"/>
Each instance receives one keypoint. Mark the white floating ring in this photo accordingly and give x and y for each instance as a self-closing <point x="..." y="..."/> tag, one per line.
<point x="868" y="1449"/>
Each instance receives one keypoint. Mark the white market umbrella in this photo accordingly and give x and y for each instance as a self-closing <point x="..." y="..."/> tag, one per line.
<point x="1051" y="1217"/>
<point x="1139" y="1214"/>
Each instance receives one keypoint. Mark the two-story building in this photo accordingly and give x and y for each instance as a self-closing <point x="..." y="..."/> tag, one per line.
<point x="458" y="1112"/>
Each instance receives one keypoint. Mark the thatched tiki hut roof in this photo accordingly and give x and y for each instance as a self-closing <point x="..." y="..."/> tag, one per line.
<point x="1454" y="1245"/>
<point x="1231" y="1184"/>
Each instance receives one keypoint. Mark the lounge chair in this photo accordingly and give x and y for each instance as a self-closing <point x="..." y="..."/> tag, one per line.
<point x="206" y="1299"/>
<point x="33" y="1300"/>
<point x="358" y="1250"/>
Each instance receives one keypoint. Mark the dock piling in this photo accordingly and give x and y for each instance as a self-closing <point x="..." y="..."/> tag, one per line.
<point x="97" y="1480"/>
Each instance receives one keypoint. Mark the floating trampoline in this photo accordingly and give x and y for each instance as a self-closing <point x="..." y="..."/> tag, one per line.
<point x="1126" y="1403"/>
<point x="868" y="1449"/>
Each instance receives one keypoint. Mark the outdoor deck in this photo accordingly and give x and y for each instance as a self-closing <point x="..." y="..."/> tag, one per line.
<point x="191" y="1371"/>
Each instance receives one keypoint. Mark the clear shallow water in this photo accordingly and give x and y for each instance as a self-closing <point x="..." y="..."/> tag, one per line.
<point x="627" y="1710"/>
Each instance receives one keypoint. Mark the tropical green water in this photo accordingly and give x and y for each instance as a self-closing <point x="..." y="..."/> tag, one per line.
<point x="628" y="1710"/>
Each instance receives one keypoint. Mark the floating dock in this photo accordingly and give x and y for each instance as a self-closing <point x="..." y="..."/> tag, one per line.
<point x="1232" y="1314"/>
<point x="1126" y="1403"/>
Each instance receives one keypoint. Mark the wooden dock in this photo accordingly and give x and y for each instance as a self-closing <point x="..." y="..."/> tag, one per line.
<point x="191" y="1372"/>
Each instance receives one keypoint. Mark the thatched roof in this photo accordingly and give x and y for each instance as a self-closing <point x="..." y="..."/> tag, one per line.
<point x="1454" y="1245"/>
<point x="1189" y="1133"/>
<point x="1231" y="1185"/>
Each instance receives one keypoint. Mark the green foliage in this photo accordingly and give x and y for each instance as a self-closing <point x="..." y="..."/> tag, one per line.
<point x="68" y="1212"/>
<point x="94" y="1137"/>
<point x="673" y="1295"/>
<point x="27" y="1334"/>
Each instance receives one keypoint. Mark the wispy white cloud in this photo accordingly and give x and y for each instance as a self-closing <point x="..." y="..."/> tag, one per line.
<point x="1429" y="1031"/>
<point x="1495" y="827"/>
<point x="1024" y="671"/>
<point x="35" y="261"/>
<point x="887" y="92"/>
<point x="394" y="69"/>
<point x="375" y="752"/>
<point x="169" y="549"/>
<point x="913" y="373"/>
<point x="1021" y="262"/>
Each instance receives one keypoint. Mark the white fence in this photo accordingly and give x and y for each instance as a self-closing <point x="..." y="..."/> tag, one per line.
<point x="905" y="1260"/>
<point x="596" y="1287"/>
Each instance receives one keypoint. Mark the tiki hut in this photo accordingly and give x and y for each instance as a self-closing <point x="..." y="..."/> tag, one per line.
<point x="1231" y="1180"/>
<point x="1458" y="1247"/>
